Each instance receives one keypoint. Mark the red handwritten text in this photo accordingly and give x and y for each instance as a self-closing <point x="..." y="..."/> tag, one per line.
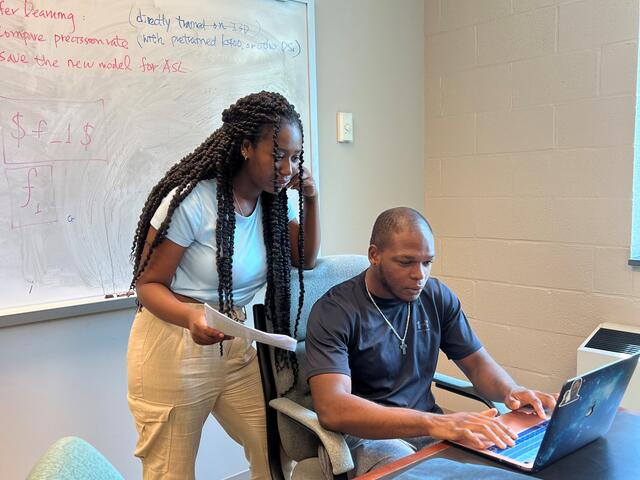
<point x="115" y="41"/>
<point x="44" y="135"/>
<point x="79" y="64"/>
<point x="172" y="67"/>
<point x="8" y="11"/>
<point x="124" y="64"/>
<point x="10" y="57"/>
<point x="43" y="61"/>
<point x="22" y="35"/>
<point x="29" y="187"/>
<point x="146" y="66"/>
<point x="31" y="11"/>
<point x="167" y="66"/>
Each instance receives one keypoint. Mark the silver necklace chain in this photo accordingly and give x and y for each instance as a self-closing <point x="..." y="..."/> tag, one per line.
<point x="403" y="344"/>
<point x="235" y="199"/>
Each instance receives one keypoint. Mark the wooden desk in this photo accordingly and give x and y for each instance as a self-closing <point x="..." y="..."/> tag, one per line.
<point x="616" y="456"/>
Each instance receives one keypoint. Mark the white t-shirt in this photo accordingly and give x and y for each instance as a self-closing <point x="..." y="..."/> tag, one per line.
<point x="193" y="226"/>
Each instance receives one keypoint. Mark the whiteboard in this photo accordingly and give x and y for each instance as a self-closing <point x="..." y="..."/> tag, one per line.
<point x="98" y="99"/>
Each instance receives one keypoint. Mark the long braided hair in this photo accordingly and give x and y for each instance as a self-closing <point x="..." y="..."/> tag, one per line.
<point x="219" y="158"/>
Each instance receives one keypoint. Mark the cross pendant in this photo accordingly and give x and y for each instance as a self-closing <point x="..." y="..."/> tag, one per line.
<point x="403" y="347"/>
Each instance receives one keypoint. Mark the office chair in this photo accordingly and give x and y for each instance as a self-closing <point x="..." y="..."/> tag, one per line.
<point x="71" y="458"/>
<point x="293" y="430"/>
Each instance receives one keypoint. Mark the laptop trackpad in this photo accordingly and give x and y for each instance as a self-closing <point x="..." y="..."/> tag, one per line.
<point x="519" y="421"/>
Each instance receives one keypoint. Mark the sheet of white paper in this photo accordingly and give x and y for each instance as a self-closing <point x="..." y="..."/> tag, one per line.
<point x="226" y="325"/>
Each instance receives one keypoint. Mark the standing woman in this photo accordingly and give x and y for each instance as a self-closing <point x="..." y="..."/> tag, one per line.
<point x="215" y="229"/>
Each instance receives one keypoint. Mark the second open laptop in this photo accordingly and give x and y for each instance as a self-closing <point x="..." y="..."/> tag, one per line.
<point x="585" y="410"/>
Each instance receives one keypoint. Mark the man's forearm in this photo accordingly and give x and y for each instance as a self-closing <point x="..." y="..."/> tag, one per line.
<point x="494" y="384"/>
<point x="363" y="418"/>
<point x="488" y="378"/>
<point x="339" y="410"/>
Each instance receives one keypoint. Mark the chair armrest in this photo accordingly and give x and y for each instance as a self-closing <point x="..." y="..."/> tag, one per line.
<point x="333" y="442"/>
<point x="466" y="389"/>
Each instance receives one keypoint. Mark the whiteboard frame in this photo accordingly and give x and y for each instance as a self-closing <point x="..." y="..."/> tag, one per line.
<point x="93" y="305"/>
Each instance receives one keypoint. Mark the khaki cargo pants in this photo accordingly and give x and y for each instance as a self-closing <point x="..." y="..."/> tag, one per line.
<point x="174" y="384"/>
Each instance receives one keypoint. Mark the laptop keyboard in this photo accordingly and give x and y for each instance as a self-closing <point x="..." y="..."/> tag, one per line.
<point x="527" y="444"/>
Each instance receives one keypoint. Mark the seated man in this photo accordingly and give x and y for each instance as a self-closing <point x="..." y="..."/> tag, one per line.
<point x="372" y="350"/>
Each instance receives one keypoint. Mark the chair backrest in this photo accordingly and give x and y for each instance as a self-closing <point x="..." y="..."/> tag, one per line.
<point x="296" y="442"/>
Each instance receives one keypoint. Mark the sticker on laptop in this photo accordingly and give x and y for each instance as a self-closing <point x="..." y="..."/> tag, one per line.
<point x="572" y="394"/>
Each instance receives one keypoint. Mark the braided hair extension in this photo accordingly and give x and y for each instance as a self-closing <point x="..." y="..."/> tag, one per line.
<point x="278" y="294"/>
<point x="219" y="158"/>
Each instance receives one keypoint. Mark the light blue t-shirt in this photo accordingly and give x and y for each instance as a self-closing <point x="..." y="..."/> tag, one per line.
<point x="193" y="226"/>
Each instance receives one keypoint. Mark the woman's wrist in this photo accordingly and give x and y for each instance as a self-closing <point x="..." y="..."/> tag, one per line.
<point x="193" y="316"/>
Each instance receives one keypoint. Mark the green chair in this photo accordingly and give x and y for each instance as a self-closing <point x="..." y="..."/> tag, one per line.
<point x="71" y="458"/>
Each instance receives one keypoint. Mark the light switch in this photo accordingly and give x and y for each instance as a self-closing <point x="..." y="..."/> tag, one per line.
<point x="344" y="127"/>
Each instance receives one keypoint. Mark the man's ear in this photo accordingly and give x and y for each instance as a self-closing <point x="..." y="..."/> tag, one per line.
<point x="374" y="255"/>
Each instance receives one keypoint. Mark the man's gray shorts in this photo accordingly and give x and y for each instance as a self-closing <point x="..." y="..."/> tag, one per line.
<point x="370" y="454"/>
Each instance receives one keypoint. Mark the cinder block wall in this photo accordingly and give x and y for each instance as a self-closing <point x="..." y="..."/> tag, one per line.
<point x="529" y="128"/>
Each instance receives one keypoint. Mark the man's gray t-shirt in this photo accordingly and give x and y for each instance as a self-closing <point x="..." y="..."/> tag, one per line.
<point x="346" y="334"/>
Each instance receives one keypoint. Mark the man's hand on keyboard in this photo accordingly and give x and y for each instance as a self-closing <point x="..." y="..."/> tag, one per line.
<point x="475" y="430"/>
<point x="520" y="396"/>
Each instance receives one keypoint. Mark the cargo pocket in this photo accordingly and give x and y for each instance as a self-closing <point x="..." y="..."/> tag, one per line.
<point x="154" y="433"/>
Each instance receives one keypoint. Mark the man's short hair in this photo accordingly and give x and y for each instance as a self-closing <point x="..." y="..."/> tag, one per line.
<point x="394" y="221"/>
